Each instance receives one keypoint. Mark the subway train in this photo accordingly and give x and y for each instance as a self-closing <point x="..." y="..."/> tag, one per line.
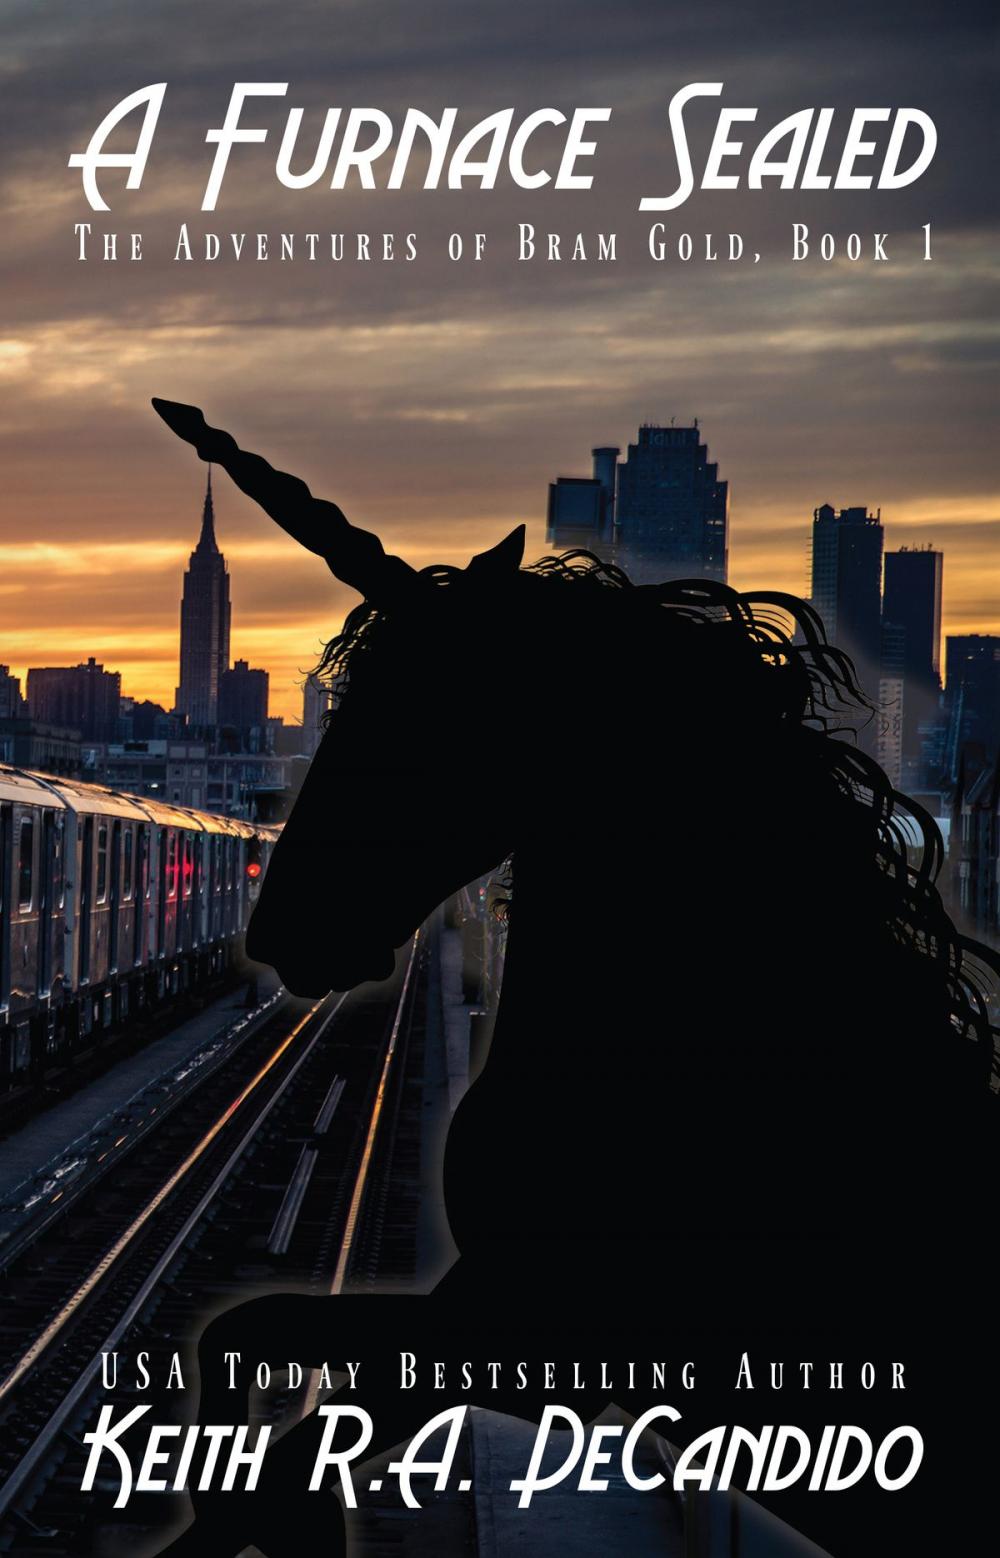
<point x="109" y="903"/>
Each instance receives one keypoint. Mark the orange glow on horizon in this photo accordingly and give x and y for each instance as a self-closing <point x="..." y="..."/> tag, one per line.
<point x="133" y="626"/>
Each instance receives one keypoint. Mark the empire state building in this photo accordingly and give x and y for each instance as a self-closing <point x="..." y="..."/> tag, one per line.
<point x="205" y="614"/>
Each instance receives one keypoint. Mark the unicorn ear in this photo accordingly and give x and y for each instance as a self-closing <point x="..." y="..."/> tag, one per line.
<point x="505" y="557"/>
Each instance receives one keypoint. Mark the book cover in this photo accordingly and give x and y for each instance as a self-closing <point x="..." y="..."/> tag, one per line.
<point x="499" y="789"/>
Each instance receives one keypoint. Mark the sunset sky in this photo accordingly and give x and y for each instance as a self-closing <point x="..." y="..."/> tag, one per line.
<point x="436" y="400"/>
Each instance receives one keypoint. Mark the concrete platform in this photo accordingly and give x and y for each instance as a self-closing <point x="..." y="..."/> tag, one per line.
<point x="34" y="1153"/>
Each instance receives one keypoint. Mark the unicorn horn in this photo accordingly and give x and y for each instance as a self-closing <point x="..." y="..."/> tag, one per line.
<point x="353" y="555"/>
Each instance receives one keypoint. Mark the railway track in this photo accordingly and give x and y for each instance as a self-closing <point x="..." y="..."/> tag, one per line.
<point x="44" y="1198"/>
<point x="281" y="1170"/>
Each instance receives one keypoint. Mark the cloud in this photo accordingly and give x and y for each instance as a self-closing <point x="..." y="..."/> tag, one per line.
<point x="436" y="400"/>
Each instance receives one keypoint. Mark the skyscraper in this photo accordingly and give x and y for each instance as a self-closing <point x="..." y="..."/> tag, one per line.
<point x="847" y="585"/>
<point x="662" y="513"/>
<point x="671" y="511"/>
<point x="577" y="516"/>
<point x="892" y="704"/>
<point x="243" y="703"/>
<point x="205" y="618"/>
<point x="581" y="510"/>
<point x="972" y="695"/>
<point x="912" y="603"/>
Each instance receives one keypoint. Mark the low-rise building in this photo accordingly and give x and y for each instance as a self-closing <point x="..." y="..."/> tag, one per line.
<point x="47" y="749"/>
<point x="253" y="785"/>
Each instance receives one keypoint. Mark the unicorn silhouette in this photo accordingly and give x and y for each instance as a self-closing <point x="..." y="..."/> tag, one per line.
<point x="740" y="1079"/>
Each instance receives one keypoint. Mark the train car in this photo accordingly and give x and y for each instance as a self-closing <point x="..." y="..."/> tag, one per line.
<point x="109" y="902"/>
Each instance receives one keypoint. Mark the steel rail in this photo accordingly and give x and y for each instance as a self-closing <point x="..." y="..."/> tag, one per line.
<point x="56" y="1422"/>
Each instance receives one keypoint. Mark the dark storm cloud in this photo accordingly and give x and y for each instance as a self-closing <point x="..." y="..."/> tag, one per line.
<point x="66" y="70"/>
<point x="67" y="65"/>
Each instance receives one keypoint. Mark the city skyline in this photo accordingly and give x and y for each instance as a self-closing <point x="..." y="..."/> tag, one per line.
<point x="154" y="677"/>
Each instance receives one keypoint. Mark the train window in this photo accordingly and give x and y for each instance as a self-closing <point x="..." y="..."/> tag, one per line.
<point x="25" y="863"/>
<point x="143" y="872"/>
<point x="188" y="864"/>
<point x="4" y="836"/>
<point x="102" y="863"/>
<point x="116" y="861"/>
<point x="5" y="845"/>
<point x="58" y="872"/>
<point x="171" y="864"/>
<point x="127" y="866"/>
